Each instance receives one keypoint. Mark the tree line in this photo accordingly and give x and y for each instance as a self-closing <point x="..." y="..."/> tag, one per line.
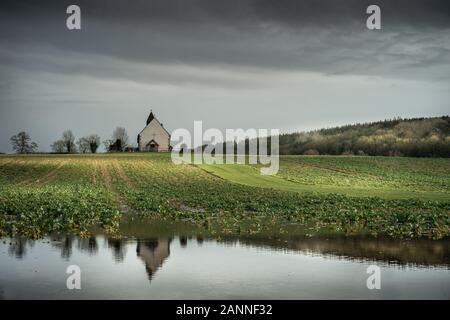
<point x="416" y="137"/>
<point x="22" y="143"/>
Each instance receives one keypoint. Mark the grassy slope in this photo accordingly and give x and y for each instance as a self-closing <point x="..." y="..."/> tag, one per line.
<point x="388" y="178"/>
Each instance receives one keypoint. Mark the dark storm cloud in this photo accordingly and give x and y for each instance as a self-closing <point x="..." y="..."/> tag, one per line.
<point x="427" y="12"/>
<point x="323" y="36"/>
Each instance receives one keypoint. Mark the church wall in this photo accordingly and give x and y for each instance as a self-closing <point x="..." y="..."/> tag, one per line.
<point x="154" y="131"/>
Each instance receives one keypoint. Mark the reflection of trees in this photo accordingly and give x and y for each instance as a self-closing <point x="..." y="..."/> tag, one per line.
<point x="423" y="252"/>
<point x="18" y="247"/>
<point x="118" y="247"/>
<point x="153" y="252"/>
<point x="66" y="248"/>
<point x="183" y="241"/>
<point x="88" y="244"/>
<point x="64" y="243"/>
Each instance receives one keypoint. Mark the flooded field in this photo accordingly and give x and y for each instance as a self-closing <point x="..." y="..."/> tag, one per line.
<point x="165" y="262"/>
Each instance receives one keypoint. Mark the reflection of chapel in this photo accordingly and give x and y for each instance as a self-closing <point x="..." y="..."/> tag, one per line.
<point x="153" y="253"/>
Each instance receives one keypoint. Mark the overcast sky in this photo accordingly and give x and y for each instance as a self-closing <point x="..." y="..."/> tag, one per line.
<point x="293" y="65"/>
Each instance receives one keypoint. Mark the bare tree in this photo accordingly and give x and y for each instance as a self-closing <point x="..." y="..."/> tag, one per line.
<point x="94" y="142"/>
<point x="58" y="146"/>
<point x="69" y="141"/>
<point x="66" y="144"/>
<point x="121" y="134"/>
<point x="21" y="143"/>
<point x="107" y="143"/>
<point x="83" y="145"/>
<point x="89" y="143"/>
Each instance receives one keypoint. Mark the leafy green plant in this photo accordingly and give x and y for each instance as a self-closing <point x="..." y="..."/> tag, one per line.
<point x="40" y="194"/>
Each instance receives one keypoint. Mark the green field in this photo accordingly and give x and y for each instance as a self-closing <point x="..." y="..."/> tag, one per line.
<point x="388" y="178"/>
<point x="400" y="197"/>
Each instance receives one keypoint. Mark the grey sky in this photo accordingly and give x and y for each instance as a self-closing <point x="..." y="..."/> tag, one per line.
<point x="292" y="65"/>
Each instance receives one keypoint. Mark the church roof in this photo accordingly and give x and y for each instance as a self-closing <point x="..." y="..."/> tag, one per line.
<point x="150" y="117"/>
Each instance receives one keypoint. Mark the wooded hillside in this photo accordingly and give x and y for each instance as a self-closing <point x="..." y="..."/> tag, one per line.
<point x="418" y="137"/>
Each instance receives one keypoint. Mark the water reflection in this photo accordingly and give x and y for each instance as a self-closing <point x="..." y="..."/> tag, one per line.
<point x="88" y="245"/>
<point x="199" y="240"/>
<point x="417" y="252"/>
<point x="153" y="253"/>
<point x="64" y="243"/>
<point x="183" y="241"/>
<point x="187" y="266"/>
<point x="18" y="246"/>
<point x="118" y="248"/>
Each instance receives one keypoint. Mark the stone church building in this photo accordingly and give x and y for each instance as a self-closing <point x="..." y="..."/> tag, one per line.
<point x="154" y="137"/>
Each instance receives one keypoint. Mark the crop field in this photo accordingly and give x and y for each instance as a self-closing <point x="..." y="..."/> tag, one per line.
<point x="400" y="197"/>
<point x="385" y="177"/>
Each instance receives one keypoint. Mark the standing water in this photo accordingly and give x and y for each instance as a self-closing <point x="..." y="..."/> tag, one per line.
<point x="169" y="265"/>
